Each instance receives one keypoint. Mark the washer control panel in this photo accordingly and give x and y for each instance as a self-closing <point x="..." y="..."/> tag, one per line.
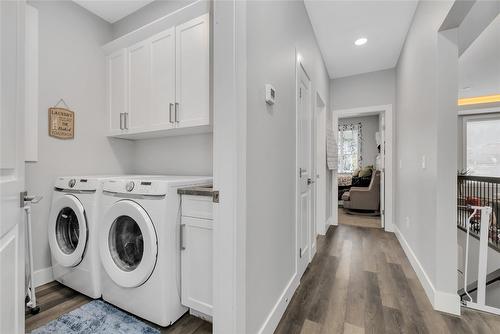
<point x="130" y="186"/>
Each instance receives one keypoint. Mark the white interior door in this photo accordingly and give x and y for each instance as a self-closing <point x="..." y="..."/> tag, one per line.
<point x="163" y="79"/>
<point x="304" y="160"/>
<point x="12" y="96"/>
<point x="193" y="72"/>
<point x="382" y="168"/>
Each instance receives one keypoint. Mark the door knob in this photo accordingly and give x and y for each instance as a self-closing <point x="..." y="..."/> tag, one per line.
<point x="309" y="181"/>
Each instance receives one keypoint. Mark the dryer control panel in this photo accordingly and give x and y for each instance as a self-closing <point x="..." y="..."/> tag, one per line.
<point x="136" y="187"/>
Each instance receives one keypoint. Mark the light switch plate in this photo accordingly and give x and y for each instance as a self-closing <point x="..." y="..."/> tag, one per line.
<point x="270" y="94"/>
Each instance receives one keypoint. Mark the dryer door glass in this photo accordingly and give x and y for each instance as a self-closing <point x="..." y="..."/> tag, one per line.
<point x="126" y="243"/>
<point x="67" y="230"/>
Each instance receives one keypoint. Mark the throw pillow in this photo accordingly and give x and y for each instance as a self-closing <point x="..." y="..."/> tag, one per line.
<point x="356" y="172"/>
<point x="365" y="171"/>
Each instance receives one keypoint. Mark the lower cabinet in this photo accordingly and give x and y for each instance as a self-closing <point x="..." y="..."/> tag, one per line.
<point x="196" y="261"/>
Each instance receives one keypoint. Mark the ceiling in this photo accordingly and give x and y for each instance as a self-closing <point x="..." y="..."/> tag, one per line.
<point x="337" y="24"/>
<point x="112" y="10"/>
<point x="479" y="65"/>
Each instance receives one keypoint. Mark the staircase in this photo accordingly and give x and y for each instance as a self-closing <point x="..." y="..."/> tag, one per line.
<point x="478" y="191"/>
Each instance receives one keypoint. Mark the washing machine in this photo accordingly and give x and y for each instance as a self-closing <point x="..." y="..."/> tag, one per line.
<point x="139" y="245"/>
<point x="72" y="233"/>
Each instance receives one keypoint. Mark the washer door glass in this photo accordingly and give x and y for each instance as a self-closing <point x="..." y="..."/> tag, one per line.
<point x="126" y="243"/>
<point x="67" y="230"/>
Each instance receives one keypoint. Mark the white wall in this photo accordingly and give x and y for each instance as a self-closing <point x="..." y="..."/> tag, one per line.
<point x="275" y="30"/>
<point x="426" y="152"/>
<point x="76" y="73"/>
<point x="363" y="90"/>
<point x="184" y="155"/>
<point x="369" y="126"/>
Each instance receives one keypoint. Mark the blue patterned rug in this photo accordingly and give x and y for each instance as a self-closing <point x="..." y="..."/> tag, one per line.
<point x="96" y="317"/>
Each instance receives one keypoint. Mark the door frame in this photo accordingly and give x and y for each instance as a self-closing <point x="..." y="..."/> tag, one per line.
<point x="319" y="135"/>
<point x="389" y="157"/>
<point x="299" y="65"/>
<point x="229" y="109"/>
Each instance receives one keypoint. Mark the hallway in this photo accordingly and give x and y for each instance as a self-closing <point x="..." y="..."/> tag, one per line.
<point x="360" y="281"/>
<point x="359" y="220"/>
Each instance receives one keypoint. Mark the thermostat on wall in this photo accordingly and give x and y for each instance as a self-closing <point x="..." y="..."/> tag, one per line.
<point x="270" y="94"/>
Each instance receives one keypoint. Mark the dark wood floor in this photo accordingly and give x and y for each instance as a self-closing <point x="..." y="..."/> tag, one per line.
<point x="360" y="281"/>
<point x="55" y="300"/>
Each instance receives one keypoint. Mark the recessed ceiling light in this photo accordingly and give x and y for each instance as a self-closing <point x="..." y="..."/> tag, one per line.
<point x="360" y="41"/>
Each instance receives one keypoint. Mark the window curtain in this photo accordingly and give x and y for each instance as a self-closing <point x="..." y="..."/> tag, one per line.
<point x="350" y="155"/>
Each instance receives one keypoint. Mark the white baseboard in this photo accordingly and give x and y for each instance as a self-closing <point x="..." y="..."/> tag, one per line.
<point x="201" y="315"/>
<point x="441" y="301"/>
<point x="279" y="308"/>
<point x="331" y="221"/>
<point x="43" y="276"/>
<point x="447" y="302"/>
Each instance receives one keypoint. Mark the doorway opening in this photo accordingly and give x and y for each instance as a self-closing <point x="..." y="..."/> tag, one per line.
<point x="363" y="177"/>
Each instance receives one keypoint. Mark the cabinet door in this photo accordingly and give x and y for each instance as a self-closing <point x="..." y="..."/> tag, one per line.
<point x="163" y="79"/>
<point x="193" y="72"/>
<point x="196" y="263"/>
<point x="117" y="89"/>
<point x="138" y="86"/>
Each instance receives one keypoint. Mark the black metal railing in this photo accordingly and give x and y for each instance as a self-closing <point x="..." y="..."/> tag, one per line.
<point x="479" y="191"/>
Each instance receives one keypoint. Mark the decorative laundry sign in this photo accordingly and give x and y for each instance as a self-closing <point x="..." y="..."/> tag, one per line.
<point x="61" y="123"/>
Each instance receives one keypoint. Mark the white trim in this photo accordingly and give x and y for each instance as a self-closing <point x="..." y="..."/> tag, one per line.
<point x="441" y="301"/>
<point x="330" y="221"/>
<point x="43" y="276"/>
<point x="494" y="115"/>
<point x="389" y="156"/>
<point x="279" y="308"/>
<point x="479" y="111"/>
<point x="447" y="302"/>
<point x="319" y="155"/>
<point x="229" y="165"/>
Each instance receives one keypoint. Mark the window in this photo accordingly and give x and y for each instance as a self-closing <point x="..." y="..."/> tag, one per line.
<point x="482" y="151"/>
<point x="349" y="146"/>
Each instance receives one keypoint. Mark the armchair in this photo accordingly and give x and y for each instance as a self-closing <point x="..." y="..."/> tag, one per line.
<point x="364" y="198"/>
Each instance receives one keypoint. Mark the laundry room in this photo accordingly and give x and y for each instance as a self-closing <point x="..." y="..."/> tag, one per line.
<point x="122" y="93"/>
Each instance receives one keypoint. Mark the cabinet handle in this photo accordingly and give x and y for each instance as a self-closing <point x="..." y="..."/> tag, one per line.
<point x="177" y="112"/>
<point x="126" y="121"/>
<point x="121" y="120"/>
<point x="170" y="113"/>
<point x="182" y="236"/>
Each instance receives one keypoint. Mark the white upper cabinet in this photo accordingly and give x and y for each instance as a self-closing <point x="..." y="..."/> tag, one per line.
<point x="138" y="86"/>
<point x="163" y="79"/>
<point x="116" y="90"/>
<point x="193" y="72"/>
<point x="160" y="86"/>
